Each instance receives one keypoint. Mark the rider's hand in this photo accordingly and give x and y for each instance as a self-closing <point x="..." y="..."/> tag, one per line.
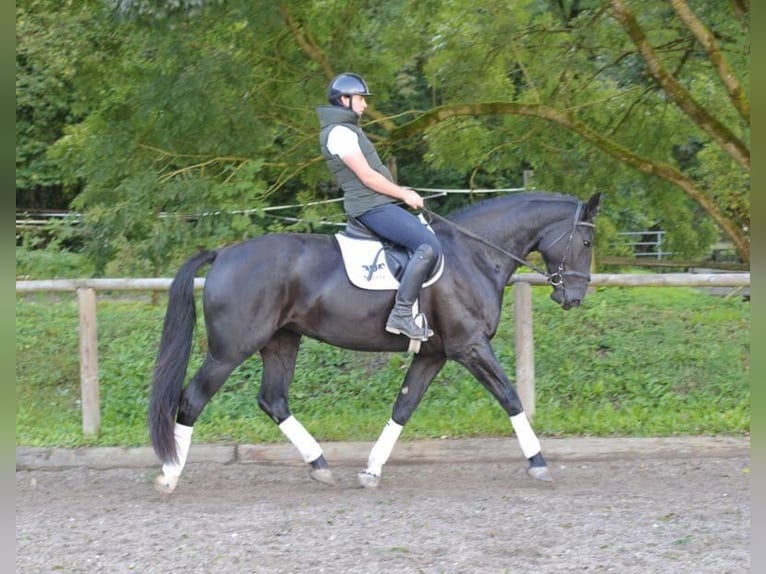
<point x="412" y="198"/>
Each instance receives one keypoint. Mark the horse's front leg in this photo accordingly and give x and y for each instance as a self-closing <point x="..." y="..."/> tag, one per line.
<point x="279" y="356"/>
<point x="419" y="376"/>
<point x="482" y="363"/>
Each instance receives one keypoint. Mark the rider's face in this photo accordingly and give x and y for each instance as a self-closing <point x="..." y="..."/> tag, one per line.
<point x="358" y="104"/>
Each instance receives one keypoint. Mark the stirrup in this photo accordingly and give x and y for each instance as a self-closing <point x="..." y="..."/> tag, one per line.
<point x="414" y="345"/>
<point x="427" y="333"/>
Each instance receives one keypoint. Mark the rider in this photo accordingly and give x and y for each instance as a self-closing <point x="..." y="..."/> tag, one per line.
<point x="371" y="196"/>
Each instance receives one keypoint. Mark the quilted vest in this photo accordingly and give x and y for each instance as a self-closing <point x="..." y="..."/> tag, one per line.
<point x="357" y="198"/>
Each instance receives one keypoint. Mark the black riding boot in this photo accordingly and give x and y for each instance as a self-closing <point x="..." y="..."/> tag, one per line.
<point x="401" y="321"/>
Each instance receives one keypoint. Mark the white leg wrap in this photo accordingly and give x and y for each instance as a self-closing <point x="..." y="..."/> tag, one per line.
<point x="183" y="436"/>
<point x="383" y="447"/>
<point x="301" y="439"/>
<point x="528" y="441"/>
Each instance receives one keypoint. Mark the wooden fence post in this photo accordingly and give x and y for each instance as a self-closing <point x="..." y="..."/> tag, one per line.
<point x="91" y="406"/>
<point x="525" y="346"/>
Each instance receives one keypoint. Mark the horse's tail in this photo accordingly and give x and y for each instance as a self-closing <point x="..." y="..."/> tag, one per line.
<point x="173" y="357"/>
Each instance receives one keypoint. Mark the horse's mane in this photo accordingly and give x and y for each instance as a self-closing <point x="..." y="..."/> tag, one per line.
<point x="508" y="202"/>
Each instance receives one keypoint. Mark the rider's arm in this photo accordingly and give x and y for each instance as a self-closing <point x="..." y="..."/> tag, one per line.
<point x="378" y="182"/>
<point x="344" y="143"/>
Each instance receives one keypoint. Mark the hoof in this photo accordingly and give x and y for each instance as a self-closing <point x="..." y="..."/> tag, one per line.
<point x="368" y="480"/>
<point x="540" y="473"/>
<point x="165" y="484"/>
<point x="323" y="475"/>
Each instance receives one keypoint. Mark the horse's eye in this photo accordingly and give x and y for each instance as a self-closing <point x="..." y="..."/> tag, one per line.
<point x="587" y="243"/>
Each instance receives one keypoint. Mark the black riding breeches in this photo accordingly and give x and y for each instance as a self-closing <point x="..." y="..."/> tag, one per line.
<point x="397" y="225"/>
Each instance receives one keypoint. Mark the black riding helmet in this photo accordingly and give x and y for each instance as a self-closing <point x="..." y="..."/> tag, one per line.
<point x="346" y="84"/>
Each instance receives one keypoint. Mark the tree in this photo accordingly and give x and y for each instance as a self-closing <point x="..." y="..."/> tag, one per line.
<point x="56" y="44"/>
<point x="209" y="108"/>
<point x="564" y="104"/>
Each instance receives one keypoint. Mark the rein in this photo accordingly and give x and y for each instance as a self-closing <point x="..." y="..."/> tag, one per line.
<point x="555" y="279"/>
<point x="480" y="239"/>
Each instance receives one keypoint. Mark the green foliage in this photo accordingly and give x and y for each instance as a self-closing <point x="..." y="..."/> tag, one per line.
<point x="50" y="263"/>
<point x="631" y="361"/>
<point x="158" y="9"/>
<point x="684" y="375"/>
<point x="145" y="114"/>
<point x="50" y="252"/>
<point x="56" y="44"/>
<point x="47" y="361"/>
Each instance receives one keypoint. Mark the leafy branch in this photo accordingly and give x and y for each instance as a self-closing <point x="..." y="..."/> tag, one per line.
<point x="565" y="119"/>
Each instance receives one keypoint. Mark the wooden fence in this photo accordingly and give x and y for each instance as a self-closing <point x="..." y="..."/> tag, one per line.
<point x="522" y="292"/>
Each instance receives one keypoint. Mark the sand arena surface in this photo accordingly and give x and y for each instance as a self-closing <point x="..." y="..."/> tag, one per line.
<point x="648" y="512"/>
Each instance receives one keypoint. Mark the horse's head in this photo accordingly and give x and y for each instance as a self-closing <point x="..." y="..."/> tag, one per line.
<point x="567" y="249"/>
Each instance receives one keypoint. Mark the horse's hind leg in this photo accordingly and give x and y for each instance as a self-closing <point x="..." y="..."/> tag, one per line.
<point x="205" y="383"/>
<point x="419" y="376"/>
<point x="279" y="356"/>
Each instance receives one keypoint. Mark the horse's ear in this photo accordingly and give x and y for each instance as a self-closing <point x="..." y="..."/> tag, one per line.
<point x="591" y="208"/>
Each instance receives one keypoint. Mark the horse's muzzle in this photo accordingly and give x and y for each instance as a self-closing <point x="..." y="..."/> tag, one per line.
<point x="566" y="302"/>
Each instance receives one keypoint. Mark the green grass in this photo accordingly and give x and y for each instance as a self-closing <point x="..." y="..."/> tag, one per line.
<point x="630" y="362"/>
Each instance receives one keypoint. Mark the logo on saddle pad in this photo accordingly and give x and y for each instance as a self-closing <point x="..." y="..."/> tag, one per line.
<point x="373" y="264"/>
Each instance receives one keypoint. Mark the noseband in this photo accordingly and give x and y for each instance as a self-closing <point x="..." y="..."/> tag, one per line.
<point x="555" y="279"/>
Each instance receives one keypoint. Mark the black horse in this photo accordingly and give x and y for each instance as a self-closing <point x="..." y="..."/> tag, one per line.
<point x="263" y="295"/>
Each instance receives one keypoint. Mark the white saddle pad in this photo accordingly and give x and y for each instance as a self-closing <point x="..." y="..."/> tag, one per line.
<point x="366" y="264"/>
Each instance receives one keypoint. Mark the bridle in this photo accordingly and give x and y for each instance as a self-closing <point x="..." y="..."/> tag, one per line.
<point x="555" y="279"/>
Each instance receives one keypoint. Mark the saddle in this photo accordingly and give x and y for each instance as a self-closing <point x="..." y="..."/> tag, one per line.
<point x="373" y="263"/>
